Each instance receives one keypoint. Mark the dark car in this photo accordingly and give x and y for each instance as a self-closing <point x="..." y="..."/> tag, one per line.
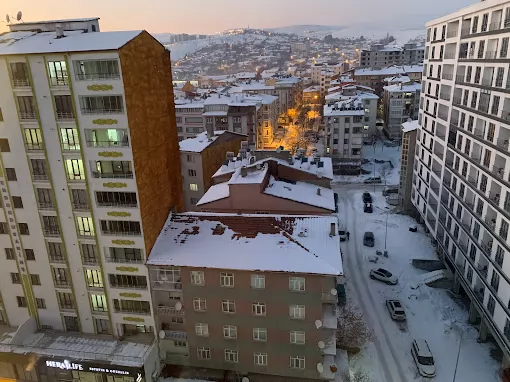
<point x="336" y="201"/>
<point x="368" y="208"/>
<point x="367" y="198"/>
<point x="368" y="239"/>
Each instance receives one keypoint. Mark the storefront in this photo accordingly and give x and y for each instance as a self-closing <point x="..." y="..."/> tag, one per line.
<point x="64" y="370"/>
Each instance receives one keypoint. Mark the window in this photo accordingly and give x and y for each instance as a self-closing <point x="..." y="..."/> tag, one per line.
<point x="41" y="304"/>
<point x="230" y="331"/>
<point x="101" y="104"/>
<point x="260" y="359"/>
<point x="297" y="284"/>
<point x="297" y="362"/>
<point x="4" y="145"/>
<point x="23" y="229"/>
<point x="297" y="337"/>
<point x="297" y="312"/>
<point x="94" y="278"/>
<point x="19" y="74"/>
<point x="199" y="304"/>
<point x="204" y="353"/>
<point x="202" y="330"/>
<point x="228" y="306"/>
<point x="99" y="303"/>
<point x="64" y="107"/>
<point x="17" y="202"/>
<point x="124" y="255"/>
<point x="503" y="229"/>
<point x="69" y="139"/>
<point x="26" y="107"/>
<point x="9" y="254"/>
<point x="258" y="281"/>
<point x="120" y="228"/>
<point x="127" y="281"/>
<point x="226" y="279"/>
<point x="22" y="301"/>
<point x="116" y="199"/>
<point x="499" y="256"/>
<point x="193" y="201"/>
<point x="132" y="306"/>
<point x="58" y="73"/>
<point x="102" y="326"/>
<point x="11" y="174"/>
<point x="190" y="158"/>
<point x="192" y="172"/>
<point x="80" y="199"/>
<point x="85" y="226"/>
<point x="96" y="70"/>
<point x="193" y="187"/>
<point x="231" y="356"/>
<point x="258" y="308"/>
<point x="491" y="304"/>
<point x="75" y="170"/>
<point x="60" y="276"/>
<point x="35" y="279"/>
<point x="259" y="334"/>
<point x="197" y="278"/>
<point x="15" y="278"/>
<point x="495" y="280"/>
<point x="56" y="252"/>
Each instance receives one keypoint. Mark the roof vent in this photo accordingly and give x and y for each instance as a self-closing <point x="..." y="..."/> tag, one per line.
<point x="59" y="29"/>
<point x="244" y="171"/>
<point x="318" y="191"/>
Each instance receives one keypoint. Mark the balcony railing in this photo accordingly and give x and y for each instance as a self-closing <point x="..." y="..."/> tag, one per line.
<point x="57" y="259"/>
<point x="27" y="116"/>
<point x="133" y="311"/>
<point x="108" y="143"/>
<point x="85" y="111"/>
<point x="117" y="204"/>
<point x="46" y="205"/>
<point x="131" y="286"/>
<point x="51" y="232"/>
<point x="62" y="116"/>
<point x="166" y="285"/>
<point x="490" y="55"/>
<point x="120" y="175"/>
<point x="62" y="283"/>
<point x="445" y="96"/>
<point x="97" y="76"/>
<point x="175" y="335"/>
<point x="66" y="307"/>
<point x="452" y="33"/>
<point x="110" y="259"/>
<point x="447" y="76"/>
<point x="90" y="261"/>
<point x="120" y="233"/>
<point x="34" y="146"/>
<point x="449" y="56"/>
<point x="20" y="82"/>
<point x="168" y="311"/>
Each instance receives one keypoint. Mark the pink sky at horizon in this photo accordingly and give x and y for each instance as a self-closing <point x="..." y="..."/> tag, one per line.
<point x="203" y="16"/>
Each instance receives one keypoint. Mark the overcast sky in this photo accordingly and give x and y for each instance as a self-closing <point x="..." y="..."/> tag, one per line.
<point x="209" y="16"/>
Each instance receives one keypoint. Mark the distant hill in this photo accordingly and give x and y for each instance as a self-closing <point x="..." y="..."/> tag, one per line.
<point x="306" y="29"/>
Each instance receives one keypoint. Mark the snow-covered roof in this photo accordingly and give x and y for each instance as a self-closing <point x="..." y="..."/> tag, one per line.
<point x="74" y="41"/>
<point x="215" y="113"/>
<point x="253" y="176"/>
<point x="409" y="87"/>
<point x="302" y="192"/>
<point x="79" y="347"/>
<point x="397" y="79"/>
<point x="215" y="192"/>
<point x="410" y="126"/>
<point x="267" y="243"/>
<point x="389" y="71"/>
<point x="314" y="88"/>
<point x="196" y="144"/>
<point x="413" y="68"/>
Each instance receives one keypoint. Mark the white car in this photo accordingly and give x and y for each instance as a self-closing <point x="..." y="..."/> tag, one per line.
<point x="396" y="310"/>
<point x="384" y="276"/>
<point x="423" y="358"/>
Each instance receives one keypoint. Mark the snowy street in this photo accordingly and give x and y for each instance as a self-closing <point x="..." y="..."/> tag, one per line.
<point x="431" y="314"/>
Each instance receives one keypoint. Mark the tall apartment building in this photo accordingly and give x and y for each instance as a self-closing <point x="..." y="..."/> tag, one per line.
<point x="400" y="103"/>
<point x="380" y="56"/>
<point x="405" y="189"/>
<point x="349" y="118"/>
<point x="89" y="172"/>
<point x="461" y="181"/>
<point x="253" y="295"/>
<point x="200" y="158"/>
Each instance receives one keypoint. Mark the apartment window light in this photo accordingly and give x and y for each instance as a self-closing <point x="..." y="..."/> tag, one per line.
<point x="193" y="187"/>
<point x="57" y="71"/>
<point x="258" y="281"/>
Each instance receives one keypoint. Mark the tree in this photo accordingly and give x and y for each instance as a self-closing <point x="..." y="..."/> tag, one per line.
<point x="292" y="113"/>
<point x="384" y="171"/>
<point x="353" y="332"/>
<point x="312" y="114"/>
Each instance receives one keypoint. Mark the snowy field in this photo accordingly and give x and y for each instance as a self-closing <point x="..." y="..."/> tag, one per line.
<point x="431" y="313"/>
<point x="379" y="152"/>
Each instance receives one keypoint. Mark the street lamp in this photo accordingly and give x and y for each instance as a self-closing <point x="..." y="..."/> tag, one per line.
<point x="458" y="354"/>
<point x="386" y="233"/>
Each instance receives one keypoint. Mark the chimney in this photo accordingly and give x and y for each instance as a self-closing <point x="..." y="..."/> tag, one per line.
<point x="244" y="171"/>
<point x="332" y="231"/>
<point x="318" y="191"/>
<point x="59" y="29"/>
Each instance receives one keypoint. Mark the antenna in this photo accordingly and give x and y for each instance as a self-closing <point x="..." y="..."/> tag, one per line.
<point x="7" y="19"/>
<point x="19" y="16"/>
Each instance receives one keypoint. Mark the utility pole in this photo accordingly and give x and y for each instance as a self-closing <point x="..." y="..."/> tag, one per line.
<point x="386" y="233"/>
<point x="458" y="355"/>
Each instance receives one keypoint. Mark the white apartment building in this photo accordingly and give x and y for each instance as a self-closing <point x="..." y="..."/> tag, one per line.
<point x="87" y="138"/>
<point x="400" y="103"/>
<point x="462" y="167"/>
<point x="347" y="121"/>
<point x="319" y="69"/>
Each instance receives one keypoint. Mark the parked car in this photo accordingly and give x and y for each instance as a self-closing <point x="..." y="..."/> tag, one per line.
<point x="368" y="239"/>
<point x="396" y="310"/>
<point x="342" y="233"/>
<point x="384" y="276"/>
<point x="388" y="191"/>
<point x="391" y="143"/>
<point x="368" y="208"/>
<point x="423" y="358"/>
<point x="373" y="179"/>
<point x="367" y="198"/>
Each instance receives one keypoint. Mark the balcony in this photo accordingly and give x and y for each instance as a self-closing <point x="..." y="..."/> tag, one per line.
<point x="27" y="116"/>
<point x="498" y="172"/>
<point x="67" y="307"/>
<point x="128" y="286"/>
<point x="133" y="311"/>
<point x="20" y="83"/>
<point x="329" y="346"/>
<point x="86" y="111"/>
<point x="57" y="259"/>
<point x="34" y="146"/>
<point x="45" y="205"/>
<point x="65" y="116"/>
<point x="330" y="320"/>
<point x="447" y="76"/>
<point x="51" y="232"/>
<point x="449" y="56"/>
<point x="113" y="175"/>
<point x="328" y="297"/>
<point x="166" y="285"/>
<point x="163" y="310"/>
<point x="113" y="259"/>
<point x="175" y="335"/>
<point x="452" y="33"/>
<point x="39" y="177"/>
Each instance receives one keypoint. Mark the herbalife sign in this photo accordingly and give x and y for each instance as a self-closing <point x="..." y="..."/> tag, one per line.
<point x="68" y="365"/>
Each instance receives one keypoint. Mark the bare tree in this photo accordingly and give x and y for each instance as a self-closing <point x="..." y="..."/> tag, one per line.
<point x="358" y="376"/>
<point x="384" y="171"/>
<point x="353" y="332"/>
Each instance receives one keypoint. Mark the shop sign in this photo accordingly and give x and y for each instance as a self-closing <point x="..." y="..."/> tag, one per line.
<point x="68" y="365"/>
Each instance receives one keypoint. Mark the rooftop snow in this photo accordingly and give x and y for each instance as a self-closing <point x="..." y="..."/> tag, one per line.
<point x="399" y="79"/>
<point x="409" y="87"/>
<point x="197" y="144"/>
<point x="389" y="71"/>
<point x="215" y="192"/>
<point x="410" y="126"/>
<point x="74" y="41"/>
<point x="253" y="176"/>
<point x="216" y="113"/>
<point x="302" y="192"/>
<point x="274" y="243"/>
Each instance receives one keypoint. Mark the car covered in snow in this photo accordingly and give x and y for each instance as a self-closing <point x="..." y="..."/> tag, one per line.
<point x="423" y="358"/>
<point x="396" y="310"/>
<point x="373" y="179"/>
<point x="368" y="239"/>
<point x="367" y="198"/>
<point x="384" y="276"/>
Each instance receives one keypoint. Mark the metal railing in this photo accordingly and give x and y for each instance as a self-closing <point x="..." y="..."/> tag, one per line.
<point x="120" y="175"/>
<point x="61" y="116"/>
<point x="57" y="259"/>
<point x="51" y="232"/>
<point x="108" y="143"/>
<point x="133" y="311"/>
<point x="60" y="81"/>
<point x="117" y="204"/>
<point x="90" y="261"/>
<point x="120" y="233"/>
<point x="81" y="206"/>
<point x="121" y="286"/>
<point x="328" y="297"/>
<point x="166" y="285"/>
<point x="20" y="82"/>
<point x="34" y="146"/>
<point x="27" y="116"/>
<point x="86" y="111"/>
<point x="168" y="311"/>
<point x="97" y="76"/>
<point x="46" y="205"/>
<point x="498" y="171"/>
<point x="110" y="259"/>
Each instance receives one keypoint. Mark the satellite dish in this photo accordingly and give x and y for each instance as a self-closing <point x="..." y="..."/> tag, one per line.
<point x="321" y="344"/>
<point x="334" y="292"/>
<point x="7" y="19"/>
<point x="318" y="324"/>
<point x="161" y="334"/>
<point x="333" y="368"/>
<point x="320" y="368"/>
<point x="19" y="15"/>
<point x="178" y="306"/>
<point x="245" y="379"/>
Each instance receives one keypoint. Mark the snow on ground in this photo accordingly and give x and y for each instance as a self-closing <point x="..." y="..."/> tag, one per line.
<point x="372" y="153"/>
<point x="431" y="313"/>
